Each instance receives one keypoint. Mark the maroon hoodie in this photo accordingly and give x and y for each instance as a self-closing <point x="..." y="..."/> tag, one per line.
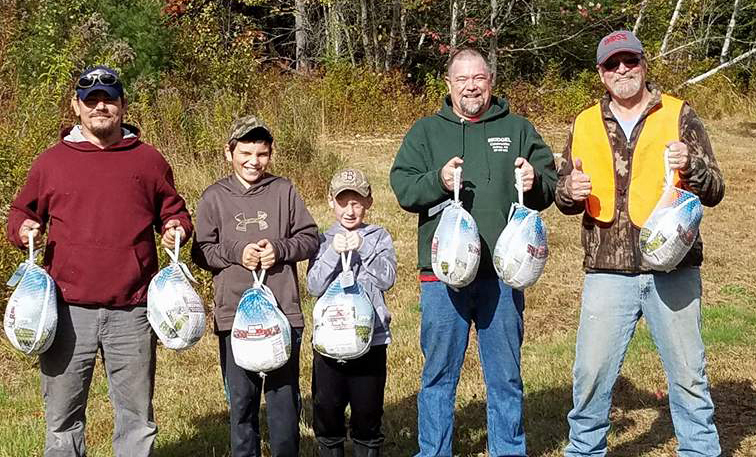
<point x="101" y="208"/>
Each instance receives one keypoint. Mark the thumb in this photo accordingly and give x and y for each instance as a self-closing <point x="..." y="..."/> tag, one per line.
<point x="579" y="165"/>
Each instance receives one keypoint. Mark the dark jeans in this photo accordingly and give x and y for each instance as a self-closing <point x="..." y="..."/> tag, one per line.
<point x="282" y="401"/>
<point x="359" y="383"/>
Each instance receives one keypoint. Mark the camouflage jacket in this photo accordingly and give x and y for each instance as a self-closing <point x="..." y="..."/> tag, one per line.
<point x="614" y="246"/>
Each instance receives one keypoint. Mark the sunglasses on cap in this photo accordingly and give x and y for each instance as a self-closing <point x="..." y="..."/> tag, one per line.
<point x="613" y="62"/>
<point x="91" y="79"/>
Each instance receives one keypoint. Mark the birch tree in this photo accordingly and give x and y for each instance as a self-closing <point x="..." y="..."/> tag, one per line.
<point x="672" y="21"/>
<point x="728" y="37"/>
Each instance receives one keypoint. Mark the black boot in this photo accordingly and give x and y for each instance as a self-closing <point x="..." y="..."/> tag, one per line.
<point x="336" y="451"/>
<point x="360" y="450"/>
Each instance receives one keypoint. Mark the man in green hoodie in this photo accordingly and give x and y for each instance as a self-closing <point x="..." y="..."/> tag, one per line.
<point x="476" y="130"/>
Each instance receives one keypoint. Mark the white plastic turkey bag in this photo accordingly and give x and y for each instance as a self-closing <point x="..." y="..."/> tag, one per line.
<point x="455" y="250"/>
<point x="174" y="309"/>
<point x="31" y="316"/>
<point x="672" y="227"/>
<point x="343" y="317"/>
<point x="261" y="334"/>
<point x="522" y="248"/>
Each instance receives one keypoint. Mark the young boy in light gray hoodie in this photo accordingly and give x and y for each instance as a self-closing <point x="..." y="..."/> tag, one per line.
<point x="359" y="382"/>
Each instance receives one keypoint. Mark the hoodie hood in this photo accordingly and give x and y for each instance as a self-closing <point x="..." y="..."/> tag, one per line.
<point x="232" y="184"/>
<point x="75" y="139"/>
<point x="499" y="108"/>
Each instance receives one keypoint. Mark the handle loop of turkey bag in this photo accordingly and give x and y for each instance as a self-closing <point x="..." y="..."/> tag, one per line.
<point x="31" y="246"/>
<point x="258" y="280"/>
<point x="346" y="260"/>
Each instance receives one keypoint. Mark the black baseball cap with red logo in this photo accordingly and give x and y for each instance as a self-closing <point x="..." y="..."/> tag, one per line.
<point x="619" y="41"/>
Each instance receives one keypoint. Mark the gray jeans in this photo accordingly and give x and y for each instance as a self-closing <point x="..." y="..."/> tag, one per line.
<point x="127" y="346"/>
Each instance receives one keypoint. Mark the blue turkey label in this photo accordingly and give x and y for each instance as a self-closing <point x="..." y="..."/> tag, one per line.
<point x="17" y="275"/>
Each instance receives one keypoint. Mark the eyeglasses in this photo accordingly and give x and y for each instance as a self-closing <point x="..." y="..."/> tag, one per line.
<point x="612" y="63"/>
<point x="89" y="80"/>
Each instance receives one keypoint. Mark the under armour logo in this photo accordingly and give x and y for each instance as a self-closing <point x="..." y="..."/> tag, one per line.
<point x="259" y="220"/>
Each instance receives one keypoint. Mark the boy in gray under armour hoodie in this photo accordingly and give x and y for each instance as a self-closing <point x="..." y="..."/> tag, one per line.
<point x="248" y="220"/>
<point x="359" y="382"/>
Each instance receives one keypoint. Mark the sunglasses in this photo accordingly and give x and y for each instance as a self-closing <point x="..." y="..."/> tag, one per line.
<point x="612" y="63"/>
<point x="105" y="79"/>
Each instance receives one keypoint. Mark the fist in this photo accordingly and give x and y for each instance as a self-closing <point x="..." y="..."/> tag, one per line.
<point x="353" y="241"/>
<point x="30" y="228"/>
<point x="578" y="183"/>
<point x="251" y="256"/>
<point x="678" y="156"/>
<point x="339" y="242"/>
<point x="447" y="172"/>
<point x="267" y="254"/>
<point x="173" y="229"/>
<point x="528" y="173"/>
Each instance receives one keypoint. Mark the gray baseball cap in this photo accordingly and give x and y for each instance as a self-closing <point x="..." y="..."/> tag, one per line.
<point x="350" y="179"/>
<point x="619" y="41"/>
<point x="246" y="124"/>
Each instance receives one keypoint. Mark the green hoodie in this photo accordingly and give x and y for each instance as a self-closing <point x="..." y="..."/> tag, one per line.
<point x="489" y="148"/>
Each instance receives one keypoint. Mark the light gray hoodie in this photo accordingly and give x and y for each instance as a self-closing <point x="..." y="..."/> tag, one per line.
<point x="374" y="267"/>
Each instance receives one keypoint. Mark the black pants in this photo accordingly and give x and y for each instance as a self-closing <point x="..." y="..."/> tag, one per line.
<point x="359" y="383"/>
<point x="282" y="400"/>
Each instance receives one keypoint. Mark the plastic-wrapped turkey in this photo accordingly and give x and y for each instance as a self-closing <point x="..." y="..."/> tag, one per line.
<point x="343" y="317"/>
<point x="261" y="334"/>
<point x="174" y="309"/>
<point x="522" y="248"/>
<point x="455" y="249"/>
<point x="31" y="316"/>
<point x="672" y="227"/>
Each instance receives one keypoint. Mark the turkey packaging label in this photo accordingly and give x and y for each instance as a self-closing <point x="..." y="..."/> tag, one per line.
<point x="672" y="227"/>
<point x="343" y="318"/>
<point x="455" y="249"/>
<point x="174" y="309"/>
<point x="31" y="316"/>
<point x="261" y="334"/>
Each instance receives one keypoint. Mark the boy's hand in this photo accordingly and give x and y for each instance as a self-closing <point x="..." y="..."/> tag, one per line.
<point x="353" y="241"/>
<point x="267" y="254"/>
<point x="339" y="242"/>
<point x="251" y="256"/>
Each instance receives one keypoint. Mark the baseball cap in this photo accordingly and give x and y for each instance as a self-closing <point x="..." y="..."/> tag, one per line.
<point x="619" y="41"/>
<point x="244" y="125"/>
<point x="350" y="179"/>
<point x="99" y="78"/>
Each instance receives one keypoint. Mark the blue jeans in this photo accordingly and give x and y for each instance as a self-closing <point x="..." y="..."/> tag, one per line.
<point x="612" y="305"/>
<point x="496" y="310"/>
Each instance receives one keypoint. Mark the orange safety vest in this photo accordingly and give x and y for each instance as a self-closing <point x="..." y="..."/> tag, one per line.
<point x="647" y="174"/>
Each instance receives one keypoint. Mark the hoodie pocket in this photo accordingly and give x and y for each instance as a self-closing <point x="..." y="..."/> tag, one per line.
<point x="98" y="275"/>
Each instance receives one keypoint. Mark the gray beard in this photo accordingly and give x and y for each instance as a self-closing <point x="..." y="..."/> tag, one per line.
<point x="470" y="107"/>
<point x="628" y="89"/>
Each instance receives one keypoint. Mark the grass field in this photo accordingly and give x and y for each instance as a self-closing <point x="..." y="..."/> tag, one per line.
<point x="190" y="405"/>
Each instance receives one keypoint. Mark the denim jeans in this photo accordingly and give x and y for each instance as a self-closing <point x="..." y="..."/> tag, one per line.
<point x="612" y="305"/>
<point x="127" y="346"/>
<point x="496" y="310"/>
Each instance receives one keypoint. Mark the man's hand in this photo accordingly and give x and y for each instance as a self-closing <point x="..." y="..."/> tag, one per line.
<point x="251" y="256"/>
<point x="447" y="172"/>
<point x="172" y="229"/>
<point x="339" y="242"/>
<point x="30" y="227"/>
<point x="578" y="184"/>
<point x="678" y="157"/>
<point x="267" y="254"/>
<point x="353" y="241"/>
<point x="528" y="173"/>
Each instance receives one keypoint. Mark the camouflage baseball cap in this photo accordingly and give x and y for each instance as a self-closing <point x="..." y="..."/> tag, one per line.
<point x="350" y="179"/>
<point x="242" y="126"/>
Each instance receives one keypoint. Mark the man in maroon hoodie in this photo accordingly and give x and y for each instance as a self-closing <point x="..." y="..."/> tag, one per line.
<point x="100" y="194"/>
